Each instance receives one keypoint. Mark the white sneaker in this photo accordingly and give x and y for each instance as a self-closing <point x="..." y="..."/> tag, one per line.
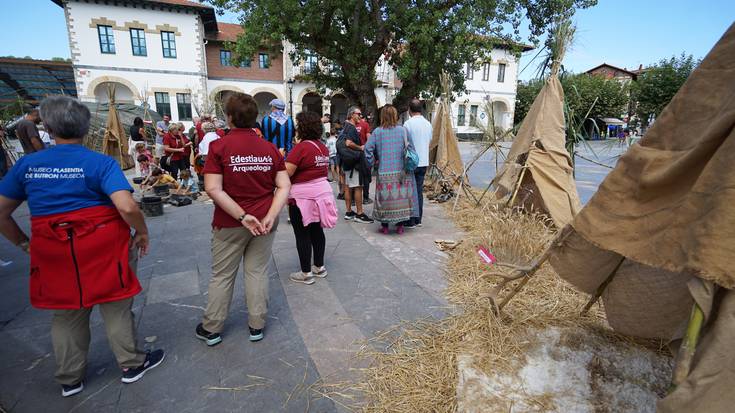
<point x="318" y="272"/>
<point x="303" y="278"/>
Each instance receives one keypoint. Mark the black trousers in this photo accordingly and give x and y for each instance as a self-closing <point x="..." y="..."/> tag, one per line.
<point x="308" y="238"/>
<point x="420" y="174"/>
<point x="176" y="166"/>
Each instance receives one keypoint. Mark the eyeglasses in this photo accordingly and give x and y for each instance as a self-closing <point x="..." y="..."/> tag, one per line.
<point x="358" y="114"/>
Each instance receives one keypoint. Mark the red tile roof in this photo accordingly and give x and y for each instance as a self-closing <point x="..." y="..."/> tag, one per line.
<point x="226" y="32"/>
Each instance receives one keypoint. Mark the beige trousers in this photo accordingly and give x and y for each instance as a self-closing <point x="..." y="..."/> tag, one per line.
<point x="70" y="336"/>
<point x="229" y="247"/>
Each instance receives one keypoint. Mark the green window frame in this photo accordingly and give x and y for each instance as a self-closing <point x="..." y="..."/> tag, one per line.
<point x="263" y="61"/>
<point x="107" y="39"/>
<point x="168" y="43"/>
<point x="163" y="103"/>
<point x="183" y="104"/>
<point x="137" y="41"/>
<point x="225" y="57"/>
<point x="460" y="115"/>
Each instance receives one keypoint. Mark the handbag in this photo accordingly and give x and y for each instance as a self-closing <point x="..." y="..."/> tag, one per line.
<point x="410" y="157"/>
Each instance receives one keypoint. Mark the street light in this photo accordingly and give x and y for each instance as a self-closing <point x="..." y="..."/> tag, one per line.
<point x="290" y="83"/>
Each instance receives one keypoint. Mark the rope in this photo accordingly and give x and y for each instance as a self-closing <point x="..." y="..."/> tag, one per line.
<point x="594" y="162"/>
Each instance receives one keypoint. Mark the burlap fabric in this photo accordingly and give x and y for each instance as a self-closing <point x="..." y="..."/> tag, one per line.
<point x="539" y="146"/>
<point x="115" y="143"/>
<point x="668" y="207"/>
<point x="443" y="149"/>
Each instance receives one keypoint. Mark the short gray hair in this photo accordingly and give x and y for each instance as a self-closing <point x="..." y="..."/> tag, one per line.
<point x="351" y="110"/>
<point x="65" y="117"/>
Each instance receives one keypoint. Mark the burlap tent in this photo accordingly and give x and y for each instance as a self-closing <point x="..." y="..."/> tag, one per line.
<point x="661" y="230"/>
<point x="443" y="149"/>
<point x="115" y="142"/>
<point x="538" y="168"/>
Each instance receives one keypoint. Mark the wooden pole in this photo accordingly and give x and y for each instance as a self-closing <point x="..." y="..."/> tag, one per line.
<point x="688" y="346"/>
<point x="602" y="287"/>
<point x="518" y="186"/>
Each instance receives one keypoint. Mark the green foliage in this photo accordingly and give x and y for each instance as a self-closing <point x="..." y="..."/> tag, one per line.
<point x="581" y="91"/>
<point x="418" y="38"/>
<point x="659" y="83"/>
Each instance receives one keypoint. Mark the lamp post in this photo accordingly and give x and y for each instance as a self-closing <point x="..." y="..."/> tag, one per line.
<point x="290" y="83"/>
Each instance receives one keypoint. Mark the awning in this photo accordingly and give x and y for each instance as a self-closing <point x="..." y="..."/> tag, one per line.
<point x="612" y="121"/>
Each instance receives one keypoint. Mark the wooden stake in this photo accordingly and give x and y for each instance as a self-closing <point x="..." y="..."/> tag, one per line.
<point x="518" y="186"/>
<point x="602" y="287"/>
<point x="688" y="346"/>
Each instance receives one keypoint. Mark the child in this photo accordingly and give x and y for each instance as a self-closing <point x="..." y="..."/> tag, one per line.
<point x="140" y="150"/>
<point x="332" y="145"/>
<point x="187" y="184"/>
<point x="158" y="177"/>
<point x="144" y="165"/>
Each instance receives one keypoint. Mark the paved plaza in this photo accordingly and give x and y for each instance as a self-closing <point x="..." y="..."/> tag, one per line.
<point x="313" y="332"/>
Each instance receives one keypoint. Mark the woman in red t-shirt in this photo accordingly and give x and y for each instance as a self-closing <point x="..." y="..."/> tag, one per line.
<point x="247" y="180"/>
<point x="311" y="205"/>
<point x="175" y="146"/>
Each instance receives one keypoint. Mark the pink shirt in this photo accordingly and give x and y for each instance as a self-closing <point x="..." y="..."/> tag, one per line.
<point x="316" y="202"/>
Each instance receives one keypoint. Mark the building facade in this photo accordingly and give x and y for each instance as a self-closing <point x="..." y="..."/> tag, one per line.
<point x="172" y="55"/>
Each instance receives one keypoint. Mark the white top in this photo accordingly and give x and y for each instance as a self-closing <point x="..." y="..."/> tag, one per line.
<point x="209" y="137"/>
<point x="332" y="145"/>
<point x="419" y="130"/>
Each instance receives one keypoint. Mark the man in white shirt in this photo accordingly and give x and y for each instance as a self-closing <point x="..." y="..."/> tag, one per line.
<point x="210" y="135"/>
<point x="420" y="131"/>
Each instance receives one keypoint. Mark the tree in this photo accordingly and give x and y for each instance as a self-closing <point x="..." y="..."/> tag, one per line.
<point x="418" y="39"/>
<point x="581" y="91"/>
<point x="658" y="84"/>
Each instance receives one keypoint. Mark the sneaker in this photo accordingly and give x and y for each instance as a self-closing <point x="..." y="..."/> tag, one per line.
<point x="72" y="389"/>
<point x="152" y="360"/>
<point x="419" y="225"/>
<point x="301" y="277"/>
<point x="256" y="334"/>
<point x="318" y="272"/>
<point x="367" y="201"/>
<point x="364" y="219"/>
<point x="409" y="225"/>
<point x="212" y="339"/>
<point x="349" y="215"/>
<point x="383" y="230"/>
<point x="341" y="196"/>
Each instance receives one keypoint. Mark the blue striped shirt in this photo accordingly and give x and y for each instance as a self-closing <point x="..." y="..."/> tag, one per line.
<point x="277" y="134"/>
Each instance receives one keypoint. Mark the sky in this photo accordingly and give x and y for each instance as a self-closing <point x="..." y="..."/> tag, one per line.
<point x="623" y="33"/>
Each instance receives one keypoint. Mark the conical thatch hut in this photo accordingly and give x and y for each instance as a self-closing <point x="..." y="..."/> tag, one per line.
<point x="115" y="142"/>
<point x="656" y="240"/>
<point x="443" y="149"/>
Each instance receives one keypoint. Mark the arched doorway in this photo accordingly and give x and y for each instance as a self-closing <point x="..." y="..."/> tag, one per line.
<point x="219" y="102"/>
<point x="263" y="99"/>
<point x="122" y="93"/>
<point x="338" y="108"/>
<point x="312" y="102"/>
<point x="500" y="114"/>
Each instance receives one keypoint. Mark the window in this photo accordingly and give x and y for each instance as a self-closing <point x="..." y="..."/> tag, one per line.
<point x="473" y="115"/>
<point x="501" y="73"/>
<point x="486" y="71"/>
<point x="246" y="63"/>
<point x="168" y="41"/>
<point x="163" y="105"/>
<point x="107" y="39"/>
<point x="312" y="63"/>
<point x="460" y="115"/>
<point x="137" y="39"/>
<point x="183" y="103"/>
<point x="225" y="58"/>
<point x="470" y="73"/>
<point x="263" y="61"/>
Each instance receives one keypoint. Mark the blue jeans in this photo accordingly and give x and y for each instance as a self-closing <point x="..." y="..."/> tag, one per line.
<point x="420" y="174"/>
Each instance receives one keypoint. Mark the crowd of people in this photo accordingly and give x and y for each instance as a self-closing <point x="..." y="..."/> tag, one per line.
<point x="79" y="199"/>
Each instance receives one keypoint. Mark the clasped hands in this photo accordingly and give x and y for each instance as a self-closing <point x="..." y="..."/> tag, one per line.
<point x="258" y="227"/>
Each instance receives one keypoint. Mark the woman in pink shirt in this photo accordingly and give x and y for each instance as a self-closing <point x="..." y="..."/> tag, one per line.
<point x="311" y="204"/>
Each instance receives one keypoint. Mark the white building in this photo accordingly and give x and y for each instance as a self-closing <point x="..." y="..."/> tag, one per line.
<point x="171" y="54"/>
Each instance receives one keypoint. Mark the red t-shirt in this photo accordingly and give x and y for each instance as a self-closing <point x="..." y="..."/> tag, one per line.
<point x="220" y="132"/>
<point x="363" y="128"/>
<point x="311" y="159"/>
<point x="176" y="142"/>
<point x="248" y="166"/>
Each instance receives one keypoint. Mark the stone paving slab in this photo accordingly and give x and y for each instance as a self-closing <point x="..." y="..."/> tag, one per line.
<point x="312" y="332"/>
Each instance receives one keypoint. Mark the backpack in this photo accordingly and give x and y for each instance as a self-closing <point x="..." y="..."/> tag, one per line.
<point x="410" y="157"/>
<point x="349" y="158"/>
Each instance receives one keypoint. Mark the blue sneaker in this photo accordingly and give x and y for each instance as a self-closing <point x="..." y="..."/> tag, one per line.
<point x="152" y="360"/>
<point x="212" y="339"/>
<point x="72" y="389"/>
<point x="256" y="334"/>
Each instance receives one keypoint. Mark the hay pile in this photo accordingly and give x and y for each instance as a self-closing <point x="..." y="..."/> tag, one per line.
<point x="416" y="367"/>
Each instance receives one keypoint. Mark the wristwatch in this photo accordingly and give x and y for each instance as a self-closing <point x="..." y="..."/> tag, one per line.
<point x="239" y="219"/>
<point x="25" y="246"/>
